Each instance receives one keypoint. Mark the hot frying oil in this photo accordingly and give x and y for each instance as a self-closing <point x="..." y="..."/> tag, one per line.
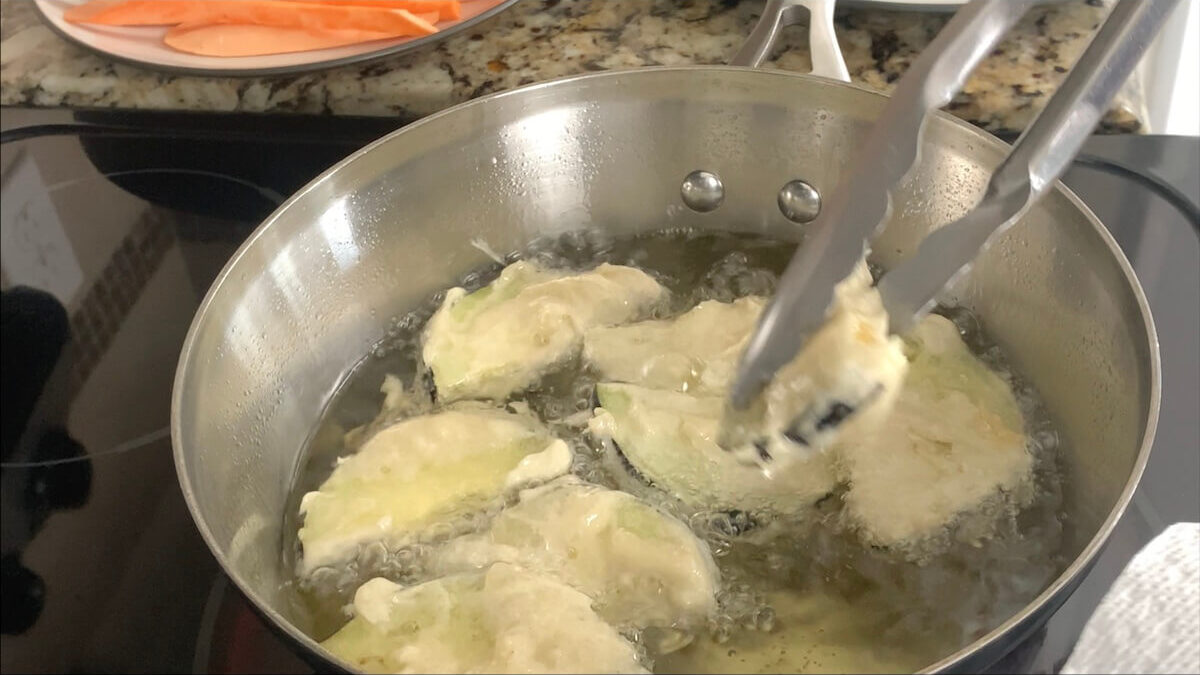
<point x="812" y="600"/>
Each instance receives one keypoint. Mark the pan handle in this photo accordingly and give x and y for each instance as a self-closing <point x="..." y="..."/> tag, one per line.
<point x="778" y="14"/>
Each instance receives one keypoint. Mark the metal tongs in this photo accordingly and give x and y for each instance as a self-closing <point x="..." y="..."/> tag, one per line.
<point x="861" y="203"/>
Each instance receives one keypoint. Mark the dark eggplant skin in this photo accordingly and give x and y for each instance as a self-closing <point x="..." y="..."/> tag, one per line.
<point x="740" y="522"/>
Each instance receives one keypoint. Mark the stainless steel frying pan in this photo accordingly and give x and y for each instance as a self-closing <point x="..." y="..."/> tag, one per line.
<point x="313" y="288"/>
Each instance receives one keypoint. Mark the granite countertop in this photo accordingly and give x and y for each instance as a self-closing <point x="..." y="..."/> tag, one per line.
<point x="542" y="39"/>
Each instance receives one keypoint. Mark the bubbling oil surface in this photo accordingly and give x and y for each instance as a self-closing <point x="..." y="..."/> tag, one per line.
<point x="809" y="598"/>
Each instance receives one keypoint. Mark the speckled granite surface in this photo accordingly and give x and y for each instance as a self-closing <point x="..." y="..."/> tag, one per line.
<point x="542" y="39"/>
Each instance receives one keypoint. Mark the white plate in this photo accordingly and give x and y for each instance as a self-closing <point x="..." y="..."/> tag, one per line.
<point x="143" y="46"/>
<point x="913" y="5"/>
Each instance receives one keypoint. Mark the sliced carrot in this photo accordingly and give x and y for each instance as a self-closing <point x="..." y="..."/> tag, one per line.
<point x="447" y="10"/>
<point x="281" y="13"/>
<point x="249" y="40"/>
<point x="96" y="11"/>
<point x="135" y="12"/>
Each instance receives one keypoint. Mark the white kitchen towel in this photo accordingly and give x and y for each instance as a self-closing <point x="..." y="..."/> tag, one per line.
<point x="1149" y="622"/>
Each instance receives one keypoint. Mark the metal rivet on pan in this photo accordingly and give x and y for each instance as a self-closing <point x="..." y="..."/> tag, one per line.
<point x="702" y="191"/>
<point x="799" y="202"/>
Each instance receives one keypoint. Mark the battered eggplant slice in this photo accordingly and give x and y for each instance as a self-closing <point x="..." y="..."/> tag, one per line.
<point x="642" y="567"/>
<point x="670" y="439"/>
<point x="843" y="382"/>
<point x="422" y="471"/>
<point x="501" y="620"/>
<point x="846" y="375"/>
<point x="953" y="440"/>
<point x="500" y="339"/>
<point x="696" y="352"/>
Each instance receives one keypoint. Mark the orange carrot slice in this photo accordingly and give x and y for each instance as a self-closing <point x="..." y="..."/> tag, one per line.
<point x="136" y="12"/>
<point x="230" y="40"/>
<point x="447" y="10"/>
<point x="91" y="10"/>
<point x="281" y="13"/>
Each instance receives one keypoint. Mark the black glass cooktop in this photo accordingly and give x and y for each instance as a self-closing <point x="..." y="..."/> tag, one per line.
<point x="109" y="240"/>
